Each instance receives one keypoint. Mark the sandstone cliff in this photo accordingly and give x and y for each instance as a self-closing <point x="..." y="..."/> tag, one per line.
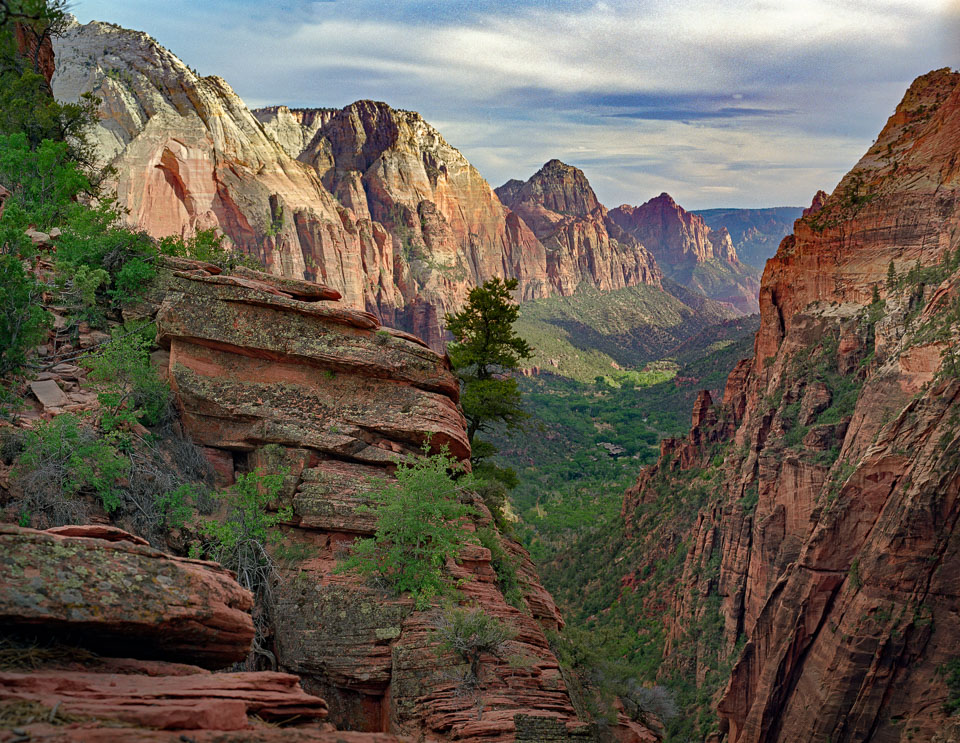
<point x="339" y="398"/>
<point x="823" y="566"/>
<point x="690" y="252"/>
<point x="369" y="200"/>
<point x="583" y="246"/>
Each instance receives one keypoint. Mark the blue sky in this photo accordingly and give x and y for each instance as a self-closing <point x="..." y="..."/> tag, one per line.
<point x="720" y="103"/>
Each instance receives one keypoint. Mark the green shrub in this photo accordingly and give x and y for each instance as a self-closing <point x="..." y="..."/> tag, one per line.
<point x="470" y="634"/>
<point x="131" y="389"/>
<point x="419" y="527"/>
<point x="208" y="246"/>
<point x="62" y="459"/>
<point x="23" y="321"/>
<point x="174" y="505"/>
<point x="505" y="568"/>
<point x="240" y="540"/>
<point x="951" y="669"/>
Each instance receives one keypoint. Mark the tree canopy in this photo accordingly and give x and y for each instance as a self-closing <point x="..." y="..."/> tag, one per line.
<point x="485" y="351"/>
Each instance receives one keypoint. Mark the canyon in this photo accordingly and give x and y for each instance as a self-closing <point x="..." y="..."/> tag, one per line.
<point x="786" y="571"/>
<point x="818" y="576"/>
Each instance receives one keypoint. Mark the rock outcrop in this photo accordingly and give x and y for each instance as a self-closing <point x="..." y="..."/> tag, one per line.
<point x="824" y="565"/>
<point x="79" y="583"/>
<point x="72" y="590"/>
<point x="689" y="252"/>
<point x="322" y="391"/>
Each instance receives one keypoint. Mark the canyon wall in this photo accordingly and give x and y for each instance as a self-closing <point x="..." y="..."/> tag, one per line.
<point x="369" y="200"/>
<point x="581" y="242"/>
<point x="690" y="252"/>
<point x="628" y="244"/>
<point x="818" y="587"/>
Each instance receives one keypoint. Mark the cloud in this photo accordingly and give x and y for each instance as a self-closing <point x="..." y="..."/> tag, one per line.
<point x="736" y="102"/>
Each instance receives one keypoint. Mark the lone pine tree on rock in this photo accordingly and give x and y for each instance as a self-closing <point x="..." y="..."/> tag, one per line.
<point x="486" y="350"/>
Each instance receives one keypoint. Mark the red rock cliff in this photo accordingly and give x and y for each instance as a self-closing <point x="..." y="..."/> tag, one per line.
<point x="583" y="245"/>
<point x="257" y="361"/>
<point x="369" y="200"/>
<point x="828" y="551"/>
<point x="689" y="251"/>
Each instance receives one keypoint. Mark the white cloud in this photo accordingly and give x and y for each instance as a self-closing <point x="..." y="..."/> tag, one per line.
<point x="514" y="84"/>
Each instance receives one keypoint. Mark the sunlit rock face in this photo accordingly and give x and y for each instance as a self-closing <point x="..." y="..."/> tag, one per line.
<point x="368" y="199"/>
<point x="583" y="245"/>
<point x="689" y="251"/>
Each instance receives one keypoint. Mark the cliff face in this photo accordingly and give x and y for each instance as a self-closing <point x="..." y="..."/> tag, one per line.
<point x="689" y="251"/>
<point x="826" y="559"/>
<point x="258" y="361"/>
<point x="369" y="200"/>
<point x="582" y="244"/>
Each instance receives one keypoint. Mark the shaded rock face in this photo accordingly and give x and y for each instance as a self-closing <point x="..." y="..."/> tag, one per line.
<point x="582" y="244"/>
<point x="75" y="588"/>
<point x="340" y="399"/>
<point x="833" y="530"/>
<point x="689" y="251"/>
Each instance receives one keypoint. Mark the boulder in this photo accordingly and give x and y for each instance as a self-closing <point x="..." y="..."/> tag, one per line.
<point x="48" y="392"/>
<point x="107" y="592"/>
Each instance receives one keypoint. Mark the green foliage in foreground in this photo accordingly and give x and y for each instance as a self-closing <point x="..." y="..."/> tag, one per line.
<point x="419" y="528"/>
<point x="239" y="541"/>
<point x="131" y="390"/>
<point x="469" y="634"/>
<point x="23" y="321"/>
<point x="79" y="460"/>
<point x="208" y="246"/>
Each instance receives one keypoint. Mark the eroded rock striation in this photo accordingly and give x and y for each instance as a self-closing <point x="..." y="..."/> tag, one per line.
<point x="323" y="391"/>
<point x="824" y="566"/>
<point x="690" y="252"/>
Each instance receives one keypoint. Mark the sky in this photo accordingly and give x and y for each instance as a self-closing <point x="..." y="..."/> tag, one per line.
<point x="721" y="103"/>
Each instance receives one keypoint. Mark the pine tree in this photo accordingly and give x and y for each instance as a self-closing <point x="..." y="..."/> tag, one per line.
<point x="486" y="350"/>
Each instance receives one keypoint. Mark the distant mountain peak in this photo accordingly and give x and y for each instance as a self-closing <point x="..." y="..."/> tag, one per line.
<point x="556" y="186"/>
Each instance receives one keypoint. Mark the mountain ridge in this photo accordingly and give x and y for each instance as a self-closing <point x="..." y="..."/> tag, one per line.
<point x="370" y="200"/>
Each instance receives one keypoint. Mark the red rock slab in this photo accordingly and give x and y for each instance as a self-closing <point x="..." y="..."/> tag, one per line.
<point x="297" y="288"/>
<point x="281" y="329"/>
<point x="198" y="701"/>
<point x="256" y="293"/>
<point x="97" y="531"/>
<point x="48" y="392"/>
<point x="93" y="733"/>
<point x="126" y="597"/>
<point x="189" y="264"/>
<point x="259" y="286"/>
